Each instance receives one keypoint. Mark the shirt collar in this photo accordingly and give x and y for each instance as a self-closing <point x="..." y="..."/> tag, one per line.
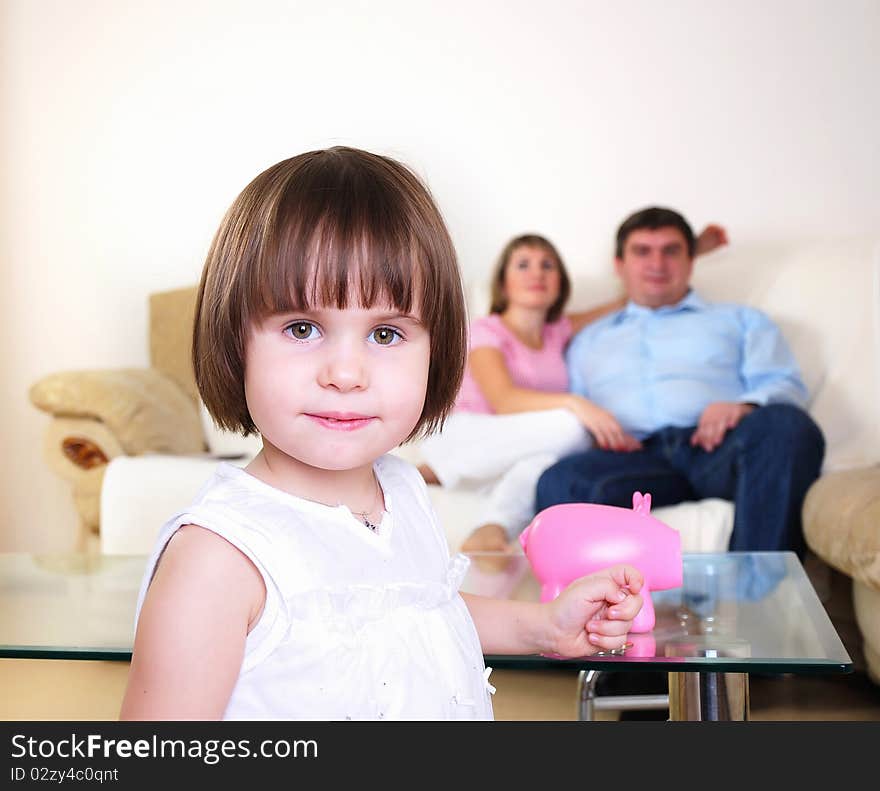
<point x="690" y="301"/>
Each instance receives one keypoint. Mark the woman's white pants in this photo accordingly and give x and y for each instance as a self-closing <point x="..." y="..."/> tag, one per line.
<point x="503" y="456"/>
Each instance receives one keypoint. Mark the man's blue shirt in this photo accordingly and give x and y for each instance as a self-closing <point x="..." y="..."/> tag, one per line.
<point x="653" y="368"/>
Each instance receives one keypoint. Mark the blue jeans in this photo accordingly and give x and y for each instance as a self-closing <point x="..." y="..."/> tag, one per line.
<point x="765" y="466"/>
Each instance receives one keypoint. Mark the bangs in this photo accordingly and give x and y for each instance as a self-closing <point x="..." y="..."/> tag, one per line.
<point x="339" y="245"/>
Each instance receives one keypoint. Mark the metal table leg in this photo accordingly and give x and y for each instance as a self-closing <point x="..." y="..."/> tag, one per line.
<point x="708" y="697"/>
<point x="589" y="702"/>
<point x="586" y="696"/>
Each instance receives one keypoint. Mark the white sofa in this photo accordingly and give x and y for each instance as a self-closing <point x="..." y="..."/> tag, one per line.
<point x="824" y="294"/>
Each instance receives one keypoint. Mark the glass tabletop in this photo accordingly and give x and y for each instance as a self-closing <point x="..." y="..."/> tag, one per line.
<point x="68" y="606"/>
<point x="736" y="612"/>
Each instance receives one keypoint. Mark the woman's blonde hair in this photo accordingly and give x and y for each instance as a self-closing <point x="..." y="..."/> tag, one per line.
<point x="499" y="298"/>
<point x="328" y="228"/>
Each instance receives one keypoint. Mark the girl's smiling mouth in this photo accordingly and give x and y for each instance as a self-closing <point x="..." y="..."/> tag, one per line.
<point x="341" y="421"/>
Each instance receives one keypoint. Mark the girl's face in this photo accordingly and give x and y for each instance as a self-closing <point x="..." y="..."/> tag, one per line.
<point x="335" y="389"/>
<point x="532" y="278"/>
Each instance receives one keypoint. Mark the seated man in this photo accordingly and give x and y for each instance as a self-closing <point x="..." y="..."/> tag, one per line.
<point x="711" y="391"/>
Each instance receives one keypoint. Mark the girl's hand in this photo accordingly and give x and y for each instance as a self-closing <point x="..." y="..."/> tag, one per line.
<point x="595" y="613"/>
<point x="607" y="432"/>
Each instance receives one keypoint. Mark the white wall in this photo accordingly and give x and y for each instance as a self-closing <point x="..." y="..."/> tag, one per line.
<point x="128" y="127"/>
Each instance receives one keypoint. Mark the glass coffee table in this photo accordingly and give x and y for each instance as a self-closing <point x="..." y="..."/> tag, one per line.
<point x="736" y="613"/>
<point x="71" y="606"/>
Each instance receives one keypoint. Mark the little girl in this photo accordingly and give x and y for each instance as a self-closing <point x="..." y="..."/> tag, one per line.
<point x="316" y="583"/>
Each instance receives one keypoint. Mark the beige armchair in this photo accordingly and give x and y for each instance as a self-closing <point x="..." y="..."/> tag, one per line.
<point x="99" y="415"/>
<point x="841" y="520"/>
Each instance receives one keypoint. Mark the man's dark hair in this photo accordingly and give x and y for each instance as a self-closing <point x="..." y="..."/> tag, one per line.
<point x="652" y="219"/>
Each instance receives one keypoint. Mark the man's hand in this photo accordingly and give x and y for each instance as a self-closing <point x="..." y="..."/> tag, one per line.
<point x="711" y="238"/>
<point x="717" y="419"/>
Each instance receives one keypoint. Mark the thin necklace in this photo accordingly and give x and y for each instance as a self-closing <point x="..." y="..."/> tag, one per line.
<point x="365" y="515"/>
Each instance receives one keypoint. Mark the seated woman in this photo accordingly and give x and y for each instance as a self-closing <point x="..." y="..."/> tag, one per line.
<point x="514" y="416"/>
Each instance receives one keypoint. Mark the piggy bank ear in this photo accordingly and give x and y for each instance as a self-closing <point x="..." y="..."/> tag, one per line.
<point x="641" y="504"/>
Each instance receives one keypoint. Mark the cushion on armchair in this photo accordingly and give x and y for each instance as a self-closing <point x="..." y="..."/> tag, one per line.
<point x="144" y="409"/>
<point x="841" y="518"/>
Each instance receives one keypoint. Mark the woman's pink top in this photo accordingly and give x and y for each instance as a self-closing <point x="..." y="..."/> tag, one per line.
<point x="536" y="369"/>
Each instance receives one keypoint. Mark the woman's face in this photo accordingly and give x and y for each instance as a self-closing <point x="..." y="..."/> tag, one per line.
<point x="532" y="278"/>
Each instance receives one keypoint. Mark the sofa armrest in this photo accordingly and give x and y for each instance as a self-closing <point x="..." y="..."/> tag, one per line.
<point x="840" y="516"/>
<point x="145" y="410"/>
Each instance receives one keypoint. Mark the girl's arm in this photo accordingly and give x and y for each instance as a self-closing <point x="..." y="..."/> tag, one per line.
<point x="191" y="633"/>
<point x="509" y="627"/>
<point x="592" y="614"/>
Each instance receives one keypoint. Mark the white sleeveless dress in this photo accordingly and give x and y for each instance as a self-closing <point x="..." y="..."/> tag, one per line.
<point x="357" y="625"/>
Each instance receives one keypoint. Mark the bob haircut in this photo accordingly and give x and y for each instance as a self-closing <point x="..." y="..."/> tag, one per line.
<point x="499" y="298"/>
<point x="329" y="228"/>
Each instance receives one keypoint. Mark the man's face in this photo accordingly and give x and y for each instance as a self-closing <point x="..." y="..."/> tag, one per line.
<point x="656" y="267"/>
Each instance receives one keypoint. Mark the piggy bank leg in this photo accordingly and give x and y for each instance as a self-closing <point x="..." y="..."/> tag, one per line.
<point x="644" y="620"/>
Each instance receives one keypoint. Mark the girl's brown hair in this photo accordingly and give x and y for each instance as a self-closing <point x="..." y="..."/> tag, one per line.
<point x="302" y="234"/>
<point x="499" y="298"/>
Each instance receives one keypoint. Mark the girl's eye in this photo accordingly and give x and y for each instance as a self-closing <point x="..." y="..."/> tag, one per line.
<point x="385" y="336"/>
<point x="548" y="264"/>
<point x="302" y="331"/>
<point x="522" y="265"/>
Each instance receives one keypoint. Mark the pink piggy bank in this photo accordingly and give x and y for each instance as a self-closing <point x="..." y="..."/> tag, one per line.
<point x="565" y="542"/>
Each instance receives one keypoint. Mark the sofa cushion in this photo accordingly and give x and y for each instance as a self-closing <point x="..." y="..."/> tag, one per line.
<point x="824" y="295"/>
<point x="140" y="493"/>
<point x="704" y="526"/>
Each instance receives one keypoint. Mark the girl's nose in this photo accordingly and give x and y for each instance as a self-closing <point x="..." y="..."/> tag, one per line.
<point x="344" y="369"/>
